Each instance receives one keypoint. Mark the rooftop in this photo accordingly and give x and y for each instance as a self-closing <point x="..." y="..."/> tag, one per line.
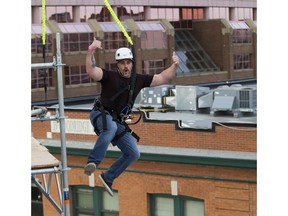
<point x="195" y="118"/>
<point x="198" y="119"/>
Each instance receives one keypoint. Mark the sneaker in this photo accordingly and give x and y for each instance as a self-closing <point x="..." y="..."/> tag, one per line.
<point x="89" y="168"/>
<point x="107" y="185"/>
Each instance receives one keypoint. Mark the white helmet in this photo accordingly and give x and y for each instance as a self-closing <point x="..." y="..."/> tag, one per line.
<point x="123" y="53"/>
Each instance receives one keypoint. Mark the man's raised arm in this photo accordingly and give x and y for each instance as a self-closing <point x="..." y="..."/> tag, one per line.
<point x="165" y="76"/>
<point x="92" y="70"/>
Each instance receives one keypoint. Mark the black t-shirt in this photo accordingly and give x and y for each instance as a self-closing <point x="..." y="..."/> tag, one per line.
<point x="112" y="83"/>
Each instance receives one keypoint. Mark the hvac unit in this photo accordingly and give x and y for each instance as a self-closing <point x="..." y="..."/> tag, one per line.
<point x="153" y="96"/>
<point x="206" y="100"/>
<point x="138" y="99"/>
<point x="187" y="96"/>
<point x="234" y="99"/>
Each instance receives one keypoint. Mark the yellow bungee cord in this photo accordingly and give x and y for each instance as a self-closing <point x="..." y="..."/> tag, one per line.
<point x="44" y="45"/>
<point x="118" y="21"/>
<point x="43" y="22"/>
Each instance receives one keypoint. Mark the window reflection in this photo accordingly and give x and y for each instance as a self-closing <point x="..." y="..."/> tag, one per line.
<point x="64" y="14"/>
<point x="61" y="14"/>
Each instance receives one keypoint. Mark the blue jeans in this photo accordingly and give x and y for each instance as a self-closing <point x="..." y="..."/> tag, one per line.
<point x="127" y="144"/>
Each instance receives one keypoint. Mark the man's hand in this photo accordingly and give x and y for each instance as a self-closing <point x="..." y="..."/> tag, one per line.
<point x="175" y="59"/>
<point x="96" y="44"/>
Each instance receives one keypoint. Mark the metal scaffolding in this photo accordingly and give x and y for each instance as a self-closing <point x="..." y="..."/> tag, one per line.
<point x="38" y="115"/>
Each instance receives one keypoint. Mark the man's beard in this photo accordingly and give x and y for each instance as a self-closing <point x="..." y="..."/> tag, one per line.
<point x="124" y="74"/>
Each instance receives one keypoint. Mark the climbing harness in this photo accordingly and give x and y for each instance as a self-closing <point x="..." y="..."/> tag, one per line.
<point x="103" y="113"/>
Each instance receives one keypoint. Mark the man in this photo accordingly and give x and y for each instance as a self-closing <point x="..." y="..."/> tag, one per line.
<point x="116" y="100"/>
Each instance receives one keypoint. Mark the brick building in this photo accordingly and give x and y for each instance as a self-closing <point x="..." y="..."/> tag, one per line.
<point x="211" y="172"/>
<point x="216" y="56"/>
<point x="215" y="41"/>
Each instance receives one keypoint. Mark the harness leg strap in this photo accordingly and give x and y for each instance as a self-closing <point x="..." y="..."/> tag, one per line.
<point x="104" y="122"/>
<point x="127" y="130"/>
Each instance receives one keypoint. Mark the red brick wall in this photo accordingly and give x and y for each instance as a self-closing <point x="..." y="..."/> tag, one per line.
<point x="223" y="190"/>
<point x="165" y="134"/>
<point x="226" y="191"/>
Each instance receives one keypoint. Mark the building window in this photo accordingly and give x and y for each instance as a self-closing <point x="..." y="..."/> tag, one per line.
<point x="192" y="13"/>
<point x="167" y="205"/>
<point x="109" y="204"/>
<point x="171" y="14"/>
<point x="153" y="67"/>
<point x="115" y="40"/>
<point x="153" y="40"/>
<point x="75" y="42"/>
<point x="41" y="78"/>
<point x="163" y="206"/>
<point x="71" y="42"/>
<point x="242" y="61"/>
<point x="61" y="14"/>
<point x="241" y="36"/>
<point x="241" y="32"/>
<point x="94" y="201"/>
<point x="76" y="36"/>
<point x="130" y="12"/>
<point x="186" y="15"/>
<point x="152" y="35"/>
<point x="93" y="12"/>
<point x="75" y="75"/>
<point x="37" y="44"/>
<point x="102" y="14"/>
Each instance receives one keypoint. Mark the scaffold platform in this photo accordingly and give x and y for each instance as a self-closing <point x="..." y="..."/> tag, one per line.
<point x="40" y="156"/>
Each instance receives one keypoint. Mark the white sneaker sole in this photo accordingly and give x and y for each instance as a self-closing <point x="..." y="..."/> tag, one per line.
<point x="106" y="186"/>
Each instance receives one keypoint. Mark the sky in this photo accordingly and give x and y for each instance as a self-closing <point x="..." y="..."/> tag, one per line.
<point x="272" y="180"/>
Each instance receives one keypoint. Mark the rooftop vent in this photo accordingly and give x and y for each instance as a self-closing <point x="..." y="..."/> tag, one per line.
<point x="236" y="99"/>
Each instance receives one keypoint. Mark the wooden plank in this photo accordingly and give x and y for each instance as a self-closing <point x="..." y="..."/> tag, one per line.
<point x="40" y="156"/>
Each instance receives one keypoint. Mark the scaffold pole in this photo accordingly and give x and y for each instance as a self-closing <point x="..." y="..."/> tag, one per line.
<point x="65" y="191"/>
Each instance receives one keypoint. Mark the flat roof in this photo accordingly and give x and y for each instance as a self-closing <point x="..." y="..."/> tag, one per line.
<point x="186" y="119"/>
<point x="200" y="119"/>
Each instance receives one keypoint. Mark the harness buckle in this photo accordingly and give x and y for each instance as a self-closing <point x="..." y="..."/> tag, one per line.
<point x="97" y="103"/>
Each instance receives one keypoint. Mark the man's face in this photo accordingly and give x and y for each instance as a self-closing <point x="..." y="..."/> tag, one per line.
<point x="125" y="67"/>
